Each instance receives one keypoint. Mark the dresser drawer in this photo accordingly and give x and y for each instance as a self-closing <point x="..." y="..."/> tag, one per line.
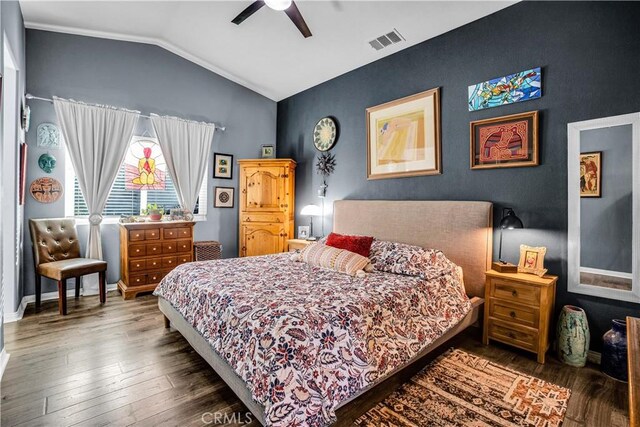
<point x="152" y="234"/>
<point x="155" y="277"/>
<point x="137" y="265"/>
<point x="184" y="232"/>
<point x="521" y="314"/>
<point x="169" y="261"/>
<point x="176" y="233"/>
<point x="183" y="258"/>
<point x="154" y="263"/>
<point x="136" y="235"/>
<point x="275" y="217"/>
<point x="169" y="247"/>
<point x="154" y="249"/>
<point x="184" y="246"/>
<point x="137" y="279"/>
<point x="522" y="337"/>
<point x="516" y="292"/>
<point x="138" y="249"/>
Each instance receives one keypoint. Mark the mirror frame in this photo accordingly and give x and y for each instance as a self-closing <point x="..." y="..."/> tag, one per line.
<point x="573" y="198"/>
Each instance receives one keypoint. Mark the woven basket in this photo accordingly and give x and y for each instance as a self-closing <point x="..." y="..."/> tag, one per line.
<point x="207" y="250"/>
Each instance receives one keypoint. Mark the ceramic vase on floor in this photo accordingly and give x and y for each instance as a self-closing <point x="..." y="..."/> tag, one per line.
<point x="573" y="336"/>
<point x="614" y="351"/>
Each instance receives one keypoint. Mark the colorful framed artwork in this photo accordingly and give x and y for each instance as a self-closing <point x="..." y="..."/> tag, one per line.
<point x="532" y="260"/>
<point x="223" y="197"/>
<point x="591" y="174"/>
<point x="145" y="167"/>
<point x="505" y="142"/>
<point x="518" y="87"/>
<point x="48" y="136"/>
<point x="46" y="190"/>
<point x="222" y="166"/>
<point x="23" y="173"/>
<point x="403" y="137"/>
<point x="268" y="151"/>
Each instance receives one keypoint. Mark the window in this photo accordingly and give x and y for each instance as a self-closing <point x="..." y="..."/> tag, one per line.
<point x="126" y="198"/>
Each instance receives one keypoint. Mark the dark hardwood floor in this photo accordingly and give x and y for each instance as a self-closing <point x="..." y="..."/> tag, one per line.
<point x="117" y="365"/>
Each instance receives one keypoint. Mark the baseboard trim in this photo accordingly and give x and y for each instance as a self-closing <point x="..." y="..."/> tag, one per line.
<point x="594" y="357"/>
<point x="31" y="299"/>
<point x="4" y="359"/>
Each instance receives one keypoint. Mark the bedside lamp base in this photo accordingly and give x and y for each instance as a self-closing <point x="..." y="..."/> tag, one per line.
<point x="504" y="267"/>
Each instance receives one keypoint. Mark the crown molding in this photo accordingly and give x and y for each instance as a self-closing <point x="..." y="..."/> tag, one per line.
<point x="164" y="44"/>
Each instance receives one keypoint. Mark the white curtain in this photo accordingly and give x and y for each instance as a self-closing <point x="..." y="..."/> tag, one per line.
<point x="97" y="138"/>
<point x="186" y="146"/>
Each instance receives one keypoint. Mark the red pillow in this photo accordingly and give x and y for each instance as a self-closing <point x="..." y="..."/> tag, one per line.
<point x="358" y="244"/>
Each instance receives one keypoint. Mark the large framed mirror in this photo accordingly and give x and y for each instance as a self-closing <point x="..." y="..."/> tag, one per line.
<point x="604" y="207"/>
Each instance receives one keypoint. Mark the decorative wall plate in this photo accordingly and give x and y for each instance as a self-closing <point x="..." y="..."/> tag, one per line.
<point x="47" y="162"/>
<point x="48" y="135"/>
<point x="46" y="190"/>
<point x="325" y="134"/>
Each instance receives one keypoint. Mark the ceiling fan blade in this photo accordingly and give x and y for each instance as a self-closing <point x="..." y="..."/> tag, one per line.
<point x="250" y="10"/>
<point x="296" y="17"/>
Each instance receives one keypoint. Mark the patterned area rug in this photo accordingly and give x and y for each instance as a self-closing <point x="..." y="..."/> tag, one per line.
<point x="460" y="389"/>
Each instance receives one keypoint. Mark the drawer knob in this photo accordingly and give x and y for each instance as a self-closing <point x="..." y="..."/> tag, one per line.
<point x="513" y="314"/>
<point x="514" y="293"/>
<point x="137" y="250"/>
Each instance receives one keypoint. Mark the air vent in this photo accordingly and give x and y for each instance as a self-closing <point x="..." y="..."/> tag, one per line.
<point x="386" y="40"/>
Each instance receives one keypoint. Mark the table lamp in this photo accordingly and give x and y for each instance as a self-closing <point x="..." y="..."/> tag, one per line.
<point x="509" y="221"/>
<point x="311" y="211"/>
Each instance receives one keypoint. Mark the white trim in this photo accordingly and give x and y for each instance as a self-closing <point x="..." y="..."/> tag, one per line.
<point x="4" y="359"/>
<point x="158" y="42"/>
<point x="610" y="273"/>
<point x="573" y="176"/>
<point x="31" y="299"/>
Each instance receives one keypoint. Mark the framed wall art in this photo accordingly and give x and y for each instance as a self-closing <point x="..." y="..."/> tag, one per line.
<point x="591" y="174"/>
<point x="505" y="142"/>
<point x="517" y="87"/>
<point x="222" y="166"/>
<point x="268" y="151"/>
<point x="532" y="260"/>
<point x="48" y="136"/>
<point x="223" y="197"/>
<point x="403" y="137"/>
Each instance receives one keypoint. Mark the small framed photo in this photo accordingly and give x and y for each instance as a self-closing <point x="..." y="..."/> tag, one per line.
<point x="591" y="174"/>
<point x="303" y="232"/>
<point x="268" y="151"/>
<point x="223" y="197"/>
<point x="532" y="260"/>
<point x="222" y="166"/>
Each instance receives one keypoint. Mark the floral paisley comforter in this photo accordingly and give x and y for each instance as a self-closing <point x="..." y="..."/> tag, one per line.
<point x="305" y="338"/>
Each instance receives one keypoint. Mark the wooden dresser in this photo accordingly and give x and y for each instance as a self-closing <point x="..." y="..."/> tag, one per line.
<point x="148" y="251"/>
<point x="518" y="309"/>
<point x="267" y="206"/>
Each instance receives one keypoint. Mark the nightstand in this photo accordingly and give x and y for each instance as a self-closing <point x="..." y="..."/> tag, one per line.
<point x="518" y="309"/>
<point x="297" y="244"/>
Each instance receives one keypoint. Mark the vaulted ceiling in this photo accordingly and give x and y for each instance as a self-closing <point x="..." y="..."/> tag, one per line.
<point x="266" y="53"/>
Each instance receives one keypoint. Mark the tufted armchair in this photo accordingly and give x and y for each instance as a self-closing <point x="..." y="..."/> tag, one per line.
<point x="56" y="255"/>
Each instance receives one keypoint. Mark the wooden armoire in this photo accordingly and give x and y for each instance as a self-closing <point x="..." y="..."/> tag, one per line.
<point x="267" y="209"/>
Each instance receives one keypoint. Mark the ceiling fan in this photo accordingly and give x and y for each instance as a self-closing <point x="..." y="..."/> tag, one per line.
<point x="288" y="6"/>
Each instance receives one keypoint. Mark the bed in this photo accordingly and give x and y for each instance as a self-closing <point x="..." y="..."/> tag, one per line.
<point x="326" y="372"/>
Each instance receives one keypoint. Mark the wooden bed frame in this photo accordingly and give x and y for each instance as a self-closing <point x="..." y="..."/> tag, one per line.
<point x="462" y="230"/>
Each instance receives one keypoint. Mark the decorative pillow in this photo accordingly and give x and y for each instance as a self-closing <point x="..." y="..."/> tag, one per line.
<point x="358" y="244"/>
<point x="401" y="258"/>
<point x="340" y="260"/>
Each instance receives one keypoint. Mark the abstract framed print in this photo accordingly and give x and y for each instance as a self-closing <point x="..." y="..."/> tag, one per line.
<point x="223" y="197"/>
<point x="403" y="137"/>
<point x="591" y="174"/>
<point x="532" y="260"/>
<point x="222" y="166"/>
<point x="504" y="142"/>
<point x="523" y="86"/>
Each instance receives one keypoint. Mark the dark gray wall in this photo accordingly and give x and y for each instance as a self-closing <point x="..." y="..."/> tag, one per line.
<point x="149" y="79"/>
<point x="606" y="222"/>
<point x="589" y="55"/>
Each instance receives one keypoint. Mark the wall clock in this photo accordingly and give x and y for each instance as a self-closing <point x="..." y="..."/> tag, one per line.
<point x="325" y="134"/>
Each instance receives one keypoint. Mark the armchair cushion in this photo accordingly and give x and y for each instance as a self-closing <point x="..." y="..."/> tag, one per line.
<point x="60" y="270"/>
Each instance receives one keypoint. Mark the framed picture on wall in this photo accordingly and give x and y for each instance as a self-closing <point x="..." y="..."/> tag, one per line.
<point x="403" y="137"/>
<point x="222" y="166"/>
<point x="505" y="142"/>
<point x="591" y="174"/>
<point x="268" y="151"/>
<point x="223" y="197"/>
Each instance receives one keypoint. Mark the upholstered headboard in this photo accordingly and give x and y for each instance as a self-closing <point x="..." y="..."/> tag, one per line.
<point x="462" y="230"/>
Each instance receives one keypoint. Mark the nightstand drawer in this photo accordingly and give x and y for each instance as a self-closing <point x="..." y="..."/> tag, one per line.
<point x="521" y="314"/>
<point x="516" y="292"/>
<point x="522" y="337"/>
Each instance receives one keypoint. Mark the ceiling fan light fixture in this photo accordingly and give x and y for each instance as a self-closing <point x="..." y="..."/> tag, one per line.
<point x="278" y="4"/>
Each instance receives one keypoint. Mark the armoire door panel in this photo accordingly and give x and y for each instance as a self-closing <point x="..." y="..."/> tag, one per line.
<point x="262" y="239"/>
<point x="263" y="189"/>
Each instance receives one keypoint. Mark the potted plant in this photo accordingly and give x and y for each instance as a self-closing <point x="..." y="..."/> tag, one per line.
<point x="153" y="212"/>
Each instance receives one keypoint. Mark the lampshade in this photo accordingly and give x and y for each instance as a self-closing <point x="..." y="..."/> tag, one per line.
<point x="278" y="4"/>
<point x="311" y="210"/>
<point x="510" y="220"/>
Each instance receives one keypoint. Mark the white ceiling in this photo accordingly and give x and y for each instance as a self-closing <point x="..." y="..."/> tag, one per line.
<point x="266" y="52"/>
